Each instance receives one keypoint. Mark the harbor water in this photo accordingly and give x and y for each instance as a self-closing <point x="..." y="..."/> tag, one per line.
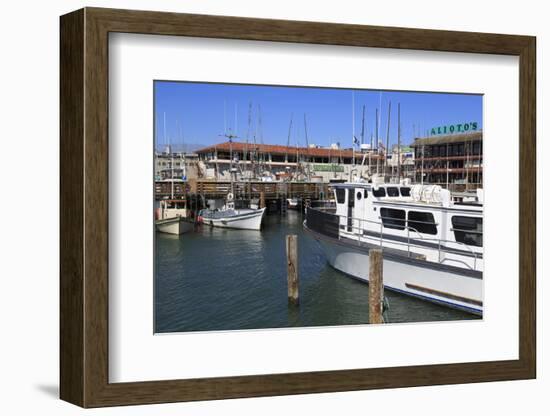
<point x="222" y="279"/>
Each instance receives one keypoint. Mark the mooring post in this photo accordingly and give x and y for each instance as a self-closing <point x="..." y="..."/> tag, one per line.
<point x="262" y="200"/>
<point x="292" y="268"/>
<point x="376" y="286"/>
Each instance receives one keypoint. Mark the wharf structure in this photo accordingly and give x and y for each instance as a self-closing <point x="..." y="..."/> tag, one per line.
<point x="267" y="173"/>
<point x="454" y="161"/>
<point x="261" y="161"/>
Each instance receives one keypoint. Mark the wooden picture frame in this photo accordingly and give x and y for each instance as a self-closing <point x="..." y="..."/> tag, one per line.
<point x="84" y="207"/>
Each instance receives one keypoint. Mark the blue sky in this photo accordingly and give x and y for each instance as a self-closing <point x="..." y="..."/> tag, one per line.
<point x="195" y="113"/>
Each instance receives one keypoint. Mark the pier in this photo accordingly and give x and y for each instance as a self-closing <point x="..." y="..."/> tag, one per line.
<point x="272" y="193"/>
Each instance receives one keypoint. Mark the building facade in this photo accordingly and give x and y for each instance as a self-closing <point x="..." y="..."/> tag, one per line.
<point x="262" y="161"/>
<point x="453" y="161"/>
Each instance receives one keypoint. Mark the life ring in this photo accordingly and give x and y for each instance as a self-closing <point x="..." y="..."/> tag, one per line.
<point x="230" y="196"/>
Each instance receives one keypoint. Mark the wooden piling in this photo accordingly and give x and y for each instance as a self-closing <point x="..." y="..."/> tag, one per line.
<point x="262" y="200"/>
<point x="376" y="286"/>
<point x="292" y="268"/>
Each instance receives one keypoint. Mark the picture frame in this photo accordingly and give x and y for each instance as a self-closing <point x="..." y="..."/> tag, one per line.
<point x="84" y="219"/>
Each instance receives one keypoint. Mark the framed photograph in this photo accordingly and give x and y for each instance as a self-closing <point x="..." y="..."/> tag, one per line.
<point x="255" y="207"/>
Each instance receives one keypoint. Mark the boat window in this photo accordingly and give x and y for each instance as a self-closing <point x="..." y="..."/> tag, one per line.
<point x="351" y="200"/>
<point x="468" y="230"/>
<point x="405" y="191"/>
<point x="393" y="191"/>
<point x="423" y="222"/>
<point x="379" y="192"/>
<point x="393" y="218"/>
<point x="340" y="195"/>
<point x="359" y="195"/>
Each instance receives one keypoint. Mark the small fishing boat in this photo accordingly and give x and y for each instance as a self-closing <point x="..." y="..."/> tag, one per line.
<point x="292" y="203"/>
<point x="227" y="216"/>
<point x="172" y="217"/>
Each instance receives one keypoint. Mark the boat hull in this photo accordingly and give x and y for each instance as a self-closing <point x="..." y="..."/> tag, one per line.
<point x="446" y="287"/>
<point x="174" y="226"/>
<point x="247" y="220"/>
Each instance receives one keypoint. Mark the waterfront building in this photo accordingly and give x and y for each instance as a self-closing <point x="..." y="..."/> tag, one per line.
<point x="454" y="161"/>
<point x="401" y="163"/>
<point x="286" y="162"/>
<point x="177" y="165"/>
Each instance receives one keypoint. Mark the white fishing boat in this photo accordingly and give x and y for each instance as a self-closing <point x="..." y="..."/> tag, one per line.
<point x="292" y="203"/>
<point x="172" y="217"/>
<point x="432" y="247"/>
<point x="227" y="216"/>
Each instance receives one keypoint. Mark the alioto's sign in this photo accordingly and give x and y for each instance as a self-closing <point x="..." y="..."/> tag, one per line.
<point x="454" y="128"/>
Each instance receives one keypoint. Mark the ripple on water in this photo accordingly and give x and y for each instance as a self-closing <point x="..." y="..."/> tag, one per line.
<point x="217" y="279"/>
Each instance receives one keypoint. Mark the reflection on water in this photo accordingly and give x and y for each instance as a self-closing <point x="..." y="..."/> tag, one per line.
<point x="217" y="279"/>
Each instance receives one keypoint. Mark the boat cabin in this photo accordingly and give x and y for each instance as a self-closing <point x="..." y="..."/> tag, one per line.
<point x="172" y="208"/>
<point x="394" y="215"/>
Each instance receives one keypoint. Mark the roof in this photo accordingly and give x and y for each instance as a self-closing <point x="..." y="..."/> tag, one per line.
<point x="282" y="150"/>
<point x="448" y="139"/>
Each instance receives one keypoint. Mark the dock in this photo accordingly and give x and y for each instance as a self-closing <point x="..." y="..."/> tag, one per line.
<point x="272" y="193"/>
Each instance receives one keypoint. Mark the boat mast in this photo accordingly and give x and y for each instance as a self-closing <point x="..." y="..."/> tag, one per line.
<point x="363" y="127"/>
<point x="352" y="129"/>
<point x="377" y="143"/>
<point x="261" y="135"/>
<point x="447" y="155"/>
<point x="246" y="149"/>
<point x="387" y="142"/>
<point x="399" y="141"/>
<point x="288" y="139"/>
<point x="171" y="160"/>
<point x="308" y="172"/>
<point x="230" y="137"/>
<point x="422" y="168"/>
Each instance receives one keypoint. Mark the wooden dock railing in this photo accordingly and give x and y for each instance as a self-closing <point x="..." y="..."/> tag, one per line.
<point x="270" y="190"/>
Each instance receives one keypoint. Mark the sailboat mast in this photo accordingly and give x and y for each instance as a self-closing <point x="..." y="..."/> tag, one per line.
<point x="171" y="160"/>
<point x="399" y="141"/>
<point x="288" y="137"/>
<point x="353" y="127"/>
<point x="387" y="140"/>
<point x="377" y="142"/>
<point x="363" y="127"/>
<point x="308" y="173"/>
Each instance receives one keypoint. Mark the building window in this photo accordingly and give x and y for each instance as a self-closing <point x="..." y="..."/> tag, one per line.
<point x="423" y="222"/>
<point x="379" y="192"/>
<point x="393" y="218"/>
<point x="393" y="191"/>
<point x="340" y="196"/>
<point x="405" y="191"/>
<point x="468" y="230"/>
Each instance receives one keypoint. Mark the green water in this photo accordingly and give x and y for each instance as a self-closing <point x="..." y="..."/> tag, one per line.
<point x="221" y="279"/>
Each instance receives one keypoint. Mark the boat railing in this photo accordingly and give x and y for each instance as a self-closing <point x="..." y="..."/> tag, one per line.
<point x="441" y="243"/>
